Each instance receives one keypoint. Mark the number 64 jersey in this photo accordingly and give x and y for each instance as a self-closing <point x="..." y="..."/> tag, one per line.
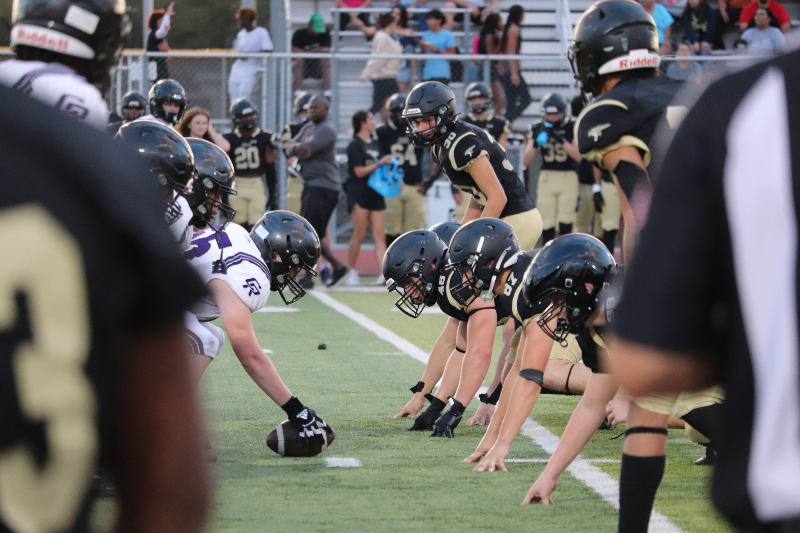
<point x="244" y="270"/>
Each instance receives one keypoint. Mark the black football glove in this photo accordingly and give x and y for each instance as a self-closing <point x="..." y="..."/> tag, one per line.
<point x="424" y="421"/>
<point x="309" y="425"/>
<point x="449" y="421"/>
<point x="599" y="203"/>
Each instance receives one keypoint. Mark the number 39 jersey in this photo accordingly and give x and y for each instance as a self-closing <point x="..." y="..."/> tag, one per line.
<point x="247" y="153"/>
<point x="554" y="157"/>
<point x="464" y="145"/>
<point x="244" y="270"/>
<point x="58" y="86"/>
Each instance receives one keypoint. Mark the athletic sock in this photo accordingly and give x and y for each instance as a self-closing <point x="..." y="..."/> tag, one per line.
<point x="708" y="421"/>
<point x="639" y="479"/>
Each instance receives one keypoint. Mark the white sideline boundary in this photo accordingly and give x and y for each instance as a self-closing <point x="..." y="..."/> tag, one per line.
<point x="581" y="469"/>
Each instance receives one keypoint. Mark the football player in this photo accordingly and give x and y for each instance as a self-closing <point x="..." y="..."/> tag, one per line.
<point x="61" y="61"/>
<point x="167" y="100"/>
<point x="253" y="154"/>
<point x="170" y="163"/>
<point x="557" y="190"/>
<point x="132" y="107"/>
<point x="294" y="185"/>
<point x="405" y="212"/>
<point x="240" y="270"/>
<point x="478" y="100"/>
<point x="213" y="182"/>
<point x="615" y="57"/>
<point x="472" y="161"/>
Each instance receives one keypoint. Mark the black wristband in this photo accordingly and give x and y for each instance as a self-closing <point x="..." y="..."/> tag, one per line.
<point x="293" y="407"/>
<point x="492" y="398"/>
<point x="418" y="387"/>
<point x="436" y="403"/>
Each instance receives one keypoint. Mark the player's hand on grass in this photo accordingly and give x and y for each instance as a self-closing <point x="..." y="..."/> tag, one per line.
<point x="412" y="407"/>
<point x="617" y="411"/>
<point x="540" y="491"/>
<point x="448" y="422"/>
<point x="493" y="460"/>
<point x="482" y="416"/>
<point x="426" y="419"/>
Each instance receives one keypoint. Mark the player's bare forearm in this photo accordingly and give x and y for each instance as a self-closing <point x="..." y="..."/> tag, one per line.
<point x="444" y="346"/>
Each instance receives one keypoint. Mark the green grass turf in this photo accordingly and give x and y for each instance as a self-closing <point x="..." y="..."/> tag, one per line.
<point x="407" y="481"/>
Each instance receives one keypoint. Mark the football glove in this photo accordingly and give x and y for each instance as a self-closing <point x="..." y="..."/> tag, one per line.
<point x="424" y="421"/>
<point x="449" y="421"/>
<point x="308" y="424"/>
<point x="599" y="203"/>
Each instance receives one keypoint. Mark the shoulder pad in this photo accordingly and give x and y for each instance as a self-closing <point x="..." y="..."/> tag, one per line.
<point x="464" y="150"/>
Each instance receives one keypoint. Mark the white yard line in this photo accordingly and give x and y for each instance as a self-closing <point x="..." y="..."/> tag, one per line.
<point x="581" y="469"/>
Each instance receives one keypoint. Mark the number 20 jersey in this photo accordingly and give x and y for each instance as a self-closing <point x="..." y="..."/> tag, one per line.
<point x="247" y="154"/>
<point x="244" y="270"/>
<point x="462" y="147"/>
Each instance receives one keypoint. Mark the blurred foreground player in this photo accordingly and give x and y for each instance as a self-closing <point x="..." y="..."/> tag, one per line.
<point x="93" y="364"/>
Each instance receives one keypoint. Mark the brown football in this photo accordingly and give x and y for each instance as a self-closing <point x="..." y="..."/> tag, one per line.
<point x="284" y="441"/>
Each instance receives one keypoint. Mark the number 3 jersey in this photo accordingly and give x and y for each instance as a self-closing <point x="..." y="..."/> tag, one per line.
<point x="464" y="145"/>
<point x="231" y="256"/>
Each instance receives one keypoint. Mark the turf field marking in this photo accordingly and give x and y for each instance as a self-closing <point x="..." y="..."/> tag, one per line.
<point x="342" y="462"/>
<point x="266" y="350"/>
<point x="278" y="310"/>
<point x="522" y="460"/>
<point x="591" y="476"/>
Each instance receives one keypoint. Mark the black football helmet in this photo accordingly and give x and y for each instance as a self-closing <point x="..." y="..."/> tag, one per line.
<point x="477" y="89"/>
<point x="412" y="266"/>
<point x="164" y="91"/>
<point x="568" y="272"/>
<point x="214" y="175"/>
<point x="553" y="103"/>
<point x="612" y="36"/>
<point x="430" y="99"/>
<point x="133" y="101"/>
<point x="288" y="245"/>
<point x="479" y="251"/>
<point x="301" y="102"/>
<point x="394" y="107"/>
<point x="244" y="114"/>
<point x="444" y="230"/>
<point x="169" y="158"/>
<point x="91" y="31"/>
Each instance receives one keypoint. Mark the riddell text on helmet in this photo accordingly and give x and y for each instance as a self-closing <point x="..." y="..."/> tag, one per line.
<point x="637" y="62"/>
<point x="41" y="39"/>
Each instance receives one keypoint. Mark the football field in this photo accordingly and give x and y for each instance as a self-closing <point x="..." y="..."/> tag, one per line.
<point x="378" y="477"/>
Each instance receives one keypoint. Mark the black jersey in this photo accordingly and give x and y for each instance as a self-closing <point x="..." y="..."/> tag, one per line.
<point x="496" y="126"/>
<point x="91" y="264"/>
<point x="554" y="157"/>
<point x="627" y="116"/>
<point x="394" y="141"/>
<point x="451" y="307"/>
<point x="512" y="302"/>
<point x="462" y="147"/>
<point x="289" y="131"/>
<point x="247" y="154"/>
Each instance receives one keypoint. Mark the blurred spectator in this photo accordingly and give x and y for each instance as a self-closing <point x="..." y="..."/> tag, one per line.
<point x="159" y="23"/>
<point x="383" y="72"/>
<point x="490" y="42"/>
<point x="777" y="14"/>
<point x="419" y="17"/>
<point x="366" y="206"/>
<point x="196" y="122"/>
<point x="251" y="38"/>
<point x="728" y="12"/>
<point x="409" y="41"/>
<point x="359" y="20"/>
<point x="763" y="39"/>
<point x="315" y="147"/>
<point x="478" y="11"/>
<point x="517" y="94"/>
<point x="663" y="21"/>
<point x="684" y="70"/>
<point x="252" y="151"/>
<point x="437" y="40"/>
<point x="675" y="7"/>
<point x="313" y="38"/>
<point x="699" y="23"/>
<point x="405" y="212"/>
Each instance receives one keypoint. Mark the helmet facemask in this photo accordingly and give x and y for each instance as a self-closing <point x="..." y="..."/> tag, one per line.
<point x="246" y="122"/>
<point x="285" y="273"/>
<point x="415" y="292"/>
<point x="569" y="306"/>
<point x="428" y="137"/>
<point x="206" y="195"/>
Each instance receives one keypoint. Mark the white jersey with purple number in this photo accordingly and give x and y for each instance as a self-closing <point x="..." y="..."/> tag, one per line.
<point x="178" y="216"/>
<point x="244" y="270"/>
<point x="56" y="85"/>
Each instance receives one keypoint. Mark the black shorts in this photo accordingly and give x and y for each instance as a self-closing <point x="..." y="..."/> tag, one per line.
<point x="358" y="192"/>
<point x="317" y="205"/>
